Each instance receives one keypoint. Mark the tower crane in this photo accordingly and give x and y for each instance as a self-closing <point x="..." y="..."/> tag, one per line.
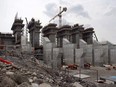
<point x="95" y="36"/>
<point x="26" y="29"/>
<point x="59" y="15"/>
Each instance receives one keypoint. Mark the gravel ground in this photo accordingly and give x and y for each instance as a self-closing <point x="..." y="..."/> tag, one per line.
<point x="92" y="72"/>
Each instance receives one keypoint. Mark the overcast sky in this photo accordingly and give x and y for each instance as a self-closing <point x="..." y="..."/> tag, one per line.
<point x="99" y="14"/>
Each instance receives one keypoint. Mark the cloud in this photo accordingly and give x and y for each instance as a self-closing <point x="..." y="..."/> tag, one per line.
<point x="111" y="12"/>
<point x="79" y="10"/>
<point x="63" y="2"/>
<point x="51" y="9"/>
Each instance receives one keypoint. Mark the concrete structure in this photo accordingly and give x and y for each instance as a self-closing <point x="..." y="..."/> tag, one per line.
<point x="63" y="32"/>
<point x="47" y="51"/>
<point x="6" y="39"/>
<point x="25" y="46"/>
<point x="34" y="30"/>
<point x="52" y="55"/>
<point x="76" y="34"/>
<point x="75" y="45"/>
<point x="64" y="45"/>
<point x="68" y="52"/>
<point x="88" y="35"/>
<point x="17" y="30"/>
<point x="50" y="32"/>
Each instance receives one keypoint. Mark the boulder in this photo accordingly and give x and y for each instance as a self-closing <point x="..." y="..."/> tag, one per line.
<point x="76" y="84"/>
<point x="25" y="84"/>
<point x="44" y="85"/>
<point x="7" y="82"/>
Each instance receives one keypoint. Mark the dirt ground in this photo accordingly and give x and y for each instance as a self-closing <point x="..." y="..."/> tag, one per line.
<point x="92" y="72"/>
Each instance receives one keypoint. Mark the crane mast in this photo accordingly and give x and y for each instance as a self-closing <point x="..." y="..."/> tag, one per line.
<point x="26" y="30"/>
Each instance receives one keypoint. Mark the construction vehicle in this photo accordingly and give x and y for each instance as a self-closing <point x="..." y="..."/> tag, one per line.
<point x="72" y="66"/>
<point x="87" y="65"/>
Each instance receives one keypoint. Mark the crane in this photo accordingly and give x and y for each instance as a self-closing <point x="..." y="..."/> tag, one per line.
<point x="26" y="29"/>
<point x="59" y="15"/>
<point x="95" y="36"/>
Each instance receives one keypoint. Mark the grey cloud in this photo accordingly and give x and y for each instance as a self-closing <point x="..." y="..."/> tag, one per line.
<point x="65" y="22"/>
<point x="79" y="10"/>
<point x="51" y="9"/>
<point x="111" y="12"/>
<point x="63" y="2"/>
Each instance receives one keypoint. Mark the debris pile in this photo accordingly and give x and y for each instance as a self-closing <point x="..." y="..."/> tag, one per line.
<point x="29" y="72"/>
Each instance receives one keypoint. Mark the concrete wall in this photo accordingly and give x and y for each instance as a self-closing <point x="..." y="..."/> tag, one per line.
<point x="27" y="48"/>
<point x="56" y="61"/>
<point x="8" y="41"/>
<point x="88" y="54"/>
<point x="98" y="56"/>
<point x="105" y="56"/>
<point x="68" y="51"/>
<point x="82" y="43"/>
<point x="51" y="54"/>
<point x="113" y="56"/>
<point x="36" y="39"/>
<point x="78" y="57"/>
<point x="47" y="50"/>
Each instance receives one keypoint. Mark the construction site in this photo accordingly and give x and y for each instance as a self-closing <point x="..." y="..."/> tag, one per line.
<point x="55" y="55"/>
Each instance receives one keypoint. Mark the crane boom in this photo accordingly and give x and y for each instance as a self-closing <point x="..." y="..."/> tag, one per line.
<point x="26" y="20"/>
<point x="56" y="16"/>
<point x="59" y="15"/>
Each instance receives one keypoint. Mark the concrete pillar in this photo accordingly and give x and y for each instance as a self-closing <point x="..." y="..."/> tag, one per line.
<point x="34" y="30"/>
<point x="17" y="30"/>
<point x="88" y="35"/>
<point x="63" y="32"/>
<point x="50" y="31"/>
<point x="77" y="34"/>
